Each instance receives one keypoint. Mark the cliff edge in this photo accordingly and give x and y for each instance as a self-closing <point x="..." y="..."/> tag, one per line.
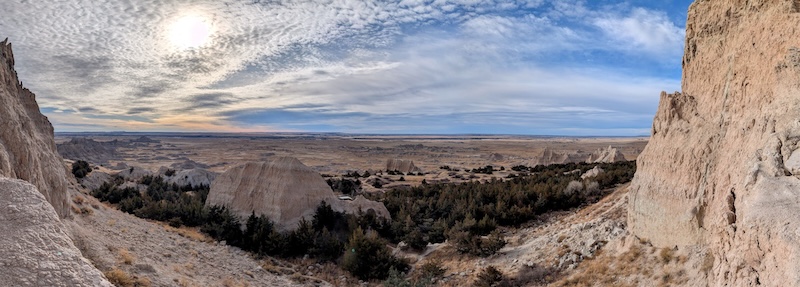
<point x="27" y="149"/>
<point x="722" y="168"/>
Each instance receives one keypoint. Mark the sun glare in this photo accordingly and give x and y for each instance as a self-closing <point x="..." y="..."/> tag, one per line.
<point x="190" y="32"/>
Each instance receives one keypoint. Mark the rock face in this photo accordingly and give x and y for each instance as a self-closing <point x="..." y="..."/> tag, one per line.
<point x="720" y="169"/>
<point x="549" y="156"/>
<point x="94" y="179"/>
<point x="283" y="189"/>
<point x="89" y="150"/>
<point x="404" y="166"/>
<point x="193" y="177"/>
<point x="608" y="155"/>
<point x="27" y="149"/>
<point x="134" y="173"/>
<point x="34" y="248"/>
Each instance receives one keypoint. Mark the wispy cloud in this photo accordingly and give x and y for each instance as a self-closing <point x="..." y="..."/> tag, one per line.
<point x="347" y="65"/>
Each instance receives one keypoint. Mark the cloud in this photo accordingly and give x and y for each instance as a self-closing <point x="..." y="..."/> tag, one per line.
<point x="345" y="64"/>
<point x="649" y="31"/>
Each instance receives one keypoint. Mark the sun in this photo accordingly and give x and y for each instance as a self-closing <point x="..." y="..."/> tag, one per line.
<point x="190" y="32"/>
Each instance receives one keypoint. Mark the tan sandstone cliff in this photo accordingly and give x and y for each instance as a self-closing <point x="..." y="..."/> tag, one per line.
<point x="35" y="249"/>
<point x="718" y="170"/>
<point x="27" y="149"/>
<point x="284" y="189"/>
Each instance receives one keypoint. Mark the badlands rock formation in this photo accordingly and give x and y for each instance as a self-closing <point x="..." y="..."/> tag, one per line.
<point x="404" y="166"/>
<point x="549" y="156"/>
<point x="34" y="247"/>
<point x="609" y="154"/>
<point x="193" y="177"/>
<point x="89" y="150"/>
<point x="283" y="189"/>
<point x="27" y="149"/>
<point x="720" y="168"/>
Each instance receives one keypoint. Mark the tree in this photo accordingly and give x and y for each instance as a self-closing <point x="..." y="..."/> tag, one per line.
<point x="81" y="168"/>
<point x="367" y="257"/>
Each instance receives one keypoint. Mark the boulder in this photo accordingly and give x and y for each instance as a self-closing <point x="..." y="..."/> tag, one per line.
<point x="284" y="189"/>
<point x="35" y="249"/>
<point x="27" y="148"/>
<point x="592" y="172"/>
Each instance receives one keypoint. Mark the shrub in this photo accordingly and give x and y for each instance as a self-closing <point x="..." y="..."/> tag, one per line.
<point x="431" y="270"/>
<point x="367" y="257"/>
<point x="81" y="168"/>
<point x="489" y="277"/>
<point x="326" y="246"/>
<point x="169" y="172"/>
<point x="119" y="278"/>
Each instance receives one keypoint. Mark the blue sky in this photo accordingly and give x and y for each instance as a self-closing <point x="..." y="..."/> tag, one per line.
<point x="414" y="66"/>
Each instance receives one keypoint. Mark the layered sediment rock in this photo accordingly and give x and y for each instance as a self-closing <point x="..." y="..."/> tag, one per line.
<point x="718" y="170"/>
<point x="27" y="148"/>
<point x="284" y="189"/>
<point x="404" y="166"/>
<point x="607" y="155"/>
<point x="89" y="150"/>
<point x="35" y="250"/>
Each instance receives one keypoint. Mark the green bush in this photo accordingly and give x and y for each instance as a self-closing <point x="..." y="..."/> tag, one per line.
<point x="81" y="168"/>
<point x="436" y="210"/>
<point x="367" y="256"/>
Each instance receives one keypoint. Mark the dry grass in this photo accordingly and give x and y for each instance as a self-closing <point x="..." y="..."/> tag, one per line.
<point x="321" y="272"/>
<point x="606" y="270"/>
<point x="86" y="211"/>
<point x="79" y="200"/>
<point x="119" y="278"/>
<point x="666" y="255"/>
<point x="230" y="282"/>
<point x="187" y="232"/>
<point x="125" y="256"/>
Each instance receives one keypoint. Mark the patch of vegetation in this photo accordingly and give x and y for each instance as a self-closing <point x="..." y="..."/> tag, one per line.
<point x="490" y="277"/>
<point x="484" y="170"/>
<point x="344" y="185"/>
<point x="81" y="168"/>
<point x="467" y="212"/>
<point x="367" y="256"/>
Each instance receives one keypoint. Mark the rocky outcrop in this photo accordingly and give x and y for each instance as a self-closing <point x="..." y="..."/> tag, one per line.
<point x="27" y="148"/>
<point x="404" y="166"/>
<point x="134" y="173"/>
<point x="193" y="177"/>
<point x="719" y="170"/>
<point x="35" y="250"/>
<point x="188" y="164"/>
<point x="89" y="150"/>
<point x="607" y="155"/>
<point x="94" y="179"/>
<point x="283" y="189"/>
<point x="594" y="172"/>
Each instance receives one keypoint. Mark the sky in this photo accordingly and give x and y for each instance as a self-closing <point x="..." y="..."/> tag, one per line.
<point x="533" y="67"/>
